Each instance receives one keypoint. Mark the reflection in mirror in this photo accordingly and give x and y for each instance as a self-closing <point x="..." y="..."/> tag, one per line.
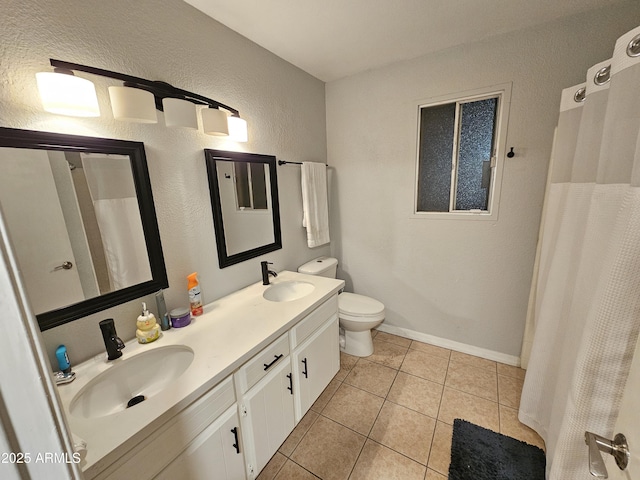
<point x="244" y="200"/>
<point x="81" y="221"/>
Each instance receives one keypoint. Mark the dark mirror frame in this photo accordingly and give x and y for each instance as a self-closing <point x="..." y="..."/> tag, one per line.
<point x="10" y="137"/>
<point x="211" y="156"/>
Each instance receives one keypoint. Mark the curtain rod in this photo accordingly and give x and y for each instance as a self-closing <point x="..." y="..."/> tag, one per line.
<point x="283" y="162"/>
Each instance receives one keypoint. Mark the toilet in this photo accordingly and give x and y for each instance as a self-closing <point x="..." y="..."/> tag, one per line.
<point x="357" y="314"/>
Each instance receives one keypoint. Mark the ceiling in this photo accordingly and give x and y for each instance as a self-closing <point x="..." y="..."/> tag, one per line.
<point x="332" y="39"/>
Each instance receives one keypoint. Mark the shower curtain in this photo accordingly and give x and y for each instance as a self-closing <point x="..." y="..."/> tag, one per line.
<point x="117" y="213"/>
<point x="584" y="314"/>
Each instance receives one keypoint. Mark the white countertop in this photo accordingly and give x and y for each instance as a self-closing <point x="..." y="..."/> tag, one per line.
<point x="231" y="331"/>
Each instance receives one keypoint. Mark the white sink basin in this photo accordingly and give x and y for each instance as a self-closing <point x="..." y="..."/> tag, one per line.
<point x="287" y="291"/>
<point x="145" y="374"/>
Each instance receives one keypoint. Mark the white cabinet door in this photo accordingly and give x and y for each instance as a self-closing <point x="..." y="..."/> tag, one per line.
<point x="315" y="363"/>
<point x="267" y="416"/>
<point x="215" y="453"/>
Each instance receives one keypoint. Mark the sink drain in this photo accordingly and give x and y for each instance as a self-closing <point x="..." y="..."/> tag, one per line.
<point x="136" y="400"/>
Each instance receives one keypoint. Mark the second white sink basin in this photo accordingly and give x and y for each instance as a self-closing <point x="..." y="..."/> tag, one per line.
<point x="139" y="377"/>
<point x="287" y="291"/>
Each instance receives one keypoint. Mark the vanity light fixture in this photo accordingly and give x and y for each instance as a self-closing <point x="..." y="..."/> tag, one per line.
<point x="129" y="103"/>
<point x="133" y="105"/>
<point x="215" y="122"/>
<point x="180" y="113"/>
<point x="63" y="93"/>
<point x="237" y="129"/>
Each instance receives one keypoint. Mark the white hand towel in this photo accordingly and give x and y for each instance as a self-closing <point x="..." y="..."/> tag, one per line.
<point x="315" y="205"/>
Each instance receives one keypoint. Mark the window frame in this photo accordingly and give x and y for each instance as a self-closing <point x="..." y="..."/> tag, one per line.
<point x="503" y="92"/>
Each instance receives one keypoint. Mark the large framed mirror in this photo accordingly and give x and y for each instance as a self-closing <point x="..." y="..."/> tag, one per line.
<point x="244" y="201"/>
<point x="81" y="220"/>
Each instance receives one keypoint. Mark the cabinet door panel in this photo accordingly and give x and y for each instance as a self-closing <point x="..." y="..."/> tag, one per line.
<point x="212" y="454"/>
<point x="315" y="363"/>
<point x="270" y="415"/>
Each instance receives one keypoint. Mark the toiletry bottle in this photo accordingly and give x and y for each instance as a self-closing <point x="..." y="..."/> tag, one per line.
<point x="63" y="359"/>
<point x="148" y="330"/>
<point x="162" y="311"/>
<point x="195" y="296"/>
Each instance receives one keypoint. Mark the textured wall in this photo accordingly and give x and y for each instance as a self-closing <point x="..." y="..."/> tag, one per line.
<point x="466" y="281"/>
<point x="170" y="41"/>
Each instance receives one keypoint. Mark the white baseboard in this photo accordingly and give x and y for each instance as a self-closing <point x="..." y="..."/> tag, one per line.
<point x="451" y="345"/>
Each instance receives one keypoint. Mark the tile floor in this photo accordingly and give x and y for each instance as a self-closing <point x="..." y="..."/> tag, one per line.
<point x="390" y="416"/>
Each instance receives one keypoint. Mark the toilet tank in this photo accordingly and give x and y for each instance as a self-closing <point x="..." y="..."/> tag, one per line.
<point x="323" y="266"/>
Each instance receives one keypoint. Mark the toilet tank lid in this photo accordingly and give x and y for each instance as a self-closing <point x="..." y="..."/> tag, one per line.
<point x="354" y="304"/>
<point x="318" y="265"/>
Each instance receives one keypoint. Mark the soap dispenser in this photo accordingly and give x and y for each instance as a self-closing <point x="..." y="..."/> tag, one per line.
<point x="148" y="329"/>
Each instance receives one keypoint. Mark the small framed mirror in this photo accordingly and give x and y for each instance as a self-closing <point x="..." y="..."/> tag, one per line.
<point x="244" y="201"/>
<point x="81" y="219"/>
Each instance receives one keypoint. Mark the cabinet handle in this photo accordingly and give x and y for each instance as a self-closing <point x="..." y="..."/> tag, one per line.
<point x="234" y="430"/>
<point x="304" y="372"/>
<point x="290" y="387"/>
<point x="278" y="357"/>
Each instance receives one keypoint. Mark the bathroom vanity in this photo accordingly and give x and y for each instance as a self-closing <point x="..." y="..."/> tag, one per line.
<point x="226" y="392"/>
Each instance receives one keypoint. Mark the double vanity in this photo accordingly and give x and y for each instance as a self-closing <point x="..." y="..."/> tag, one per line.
<point x="220" y="396"/>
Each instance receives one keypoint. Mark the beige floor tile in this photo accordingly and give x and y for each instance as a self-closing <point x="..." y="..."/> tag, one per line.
<point x="353" y="408"/>
<point x="425" y="366"/>
<point x="347" y="362"/>
<point x="372" y="377"/>
<point x="388" y="337"/>
<point x="405" y="431"/>
<point x="431" y="349"/>
<point x="387" y="354"/>
<point x="511" y="426"/>
<point x="416" y="393"/>
<point x="328" y="450"/>
<point x="509" y="391"/>
<point x="272" y="468"/>
<point x="475" y="380"/>
<point x="510" y="371"/>
<point x="377" y="462"/>
<point x="301" y="429"/>
<point x="326" y="395"/>
<point x="433" y="475"/>
<point x="473" y="360"/>
<point x="457" y="404"/>
<point x="293" y="471"/>
<point x="440" y="455"/>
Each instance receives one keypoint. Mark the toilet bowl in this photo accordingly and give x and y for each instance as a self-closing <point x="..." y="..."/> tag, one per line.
<point x="357" y="314"/>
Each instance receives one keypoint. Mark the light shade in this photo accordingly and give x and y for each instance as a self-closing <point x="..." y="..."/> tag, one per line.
<point x="133" y="105"/>
<point x="66" y="94"/>
<point x="214" y="122"/>
<point x="179" y="113"/>
<point x="238" y="129"/>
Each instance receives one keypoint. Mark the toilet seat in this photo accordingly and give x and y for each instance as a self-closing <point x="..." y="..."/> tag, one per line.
<point x="354" y="307"/>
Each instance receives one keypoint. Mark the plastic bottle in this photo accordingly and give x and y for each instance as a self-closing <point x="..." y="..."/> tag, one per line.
<point x="148" y="329"/>
<point x="195" y="296"/>
<point x="63" y="359"/>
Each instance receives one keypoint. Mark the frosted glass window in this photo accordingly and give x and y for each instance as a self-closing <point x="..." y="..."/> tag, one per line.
<point x="474" y="155"/>
<point x="456" y="155"/>
<point x="251" y="186"/>
<point x="436" y="149"/>
<point x="258" y="186"/>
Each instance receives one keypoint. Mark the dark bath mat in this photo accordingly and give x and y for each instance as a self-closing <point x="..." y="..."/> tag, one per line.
<point x="480" y="454"/>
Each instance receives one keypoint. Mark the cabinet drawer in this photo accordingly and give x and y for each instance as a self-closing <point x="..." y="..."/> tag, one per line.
<point x="312" y="321"/>
<point x="156" y="451"/>
<point x="256" y="368"/>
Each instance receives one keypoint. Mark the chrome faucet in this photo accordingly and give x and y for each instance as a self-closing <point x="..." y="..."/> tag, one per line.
<point x="266" y="272"/>
<point x="111" y="339"/>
